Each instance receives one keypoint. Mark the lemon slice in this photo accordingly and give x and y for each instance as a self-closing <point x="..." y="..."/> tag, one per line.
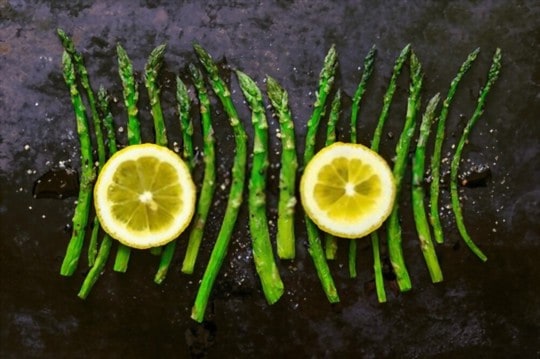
<point x="348" y="190"/>
<point x="144" y="196"/>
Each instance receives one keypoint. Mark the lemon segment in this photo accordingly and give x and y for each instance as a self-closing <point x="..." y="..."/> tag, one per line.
<point x="348" y="190"/>
<point x="144" y="196"/>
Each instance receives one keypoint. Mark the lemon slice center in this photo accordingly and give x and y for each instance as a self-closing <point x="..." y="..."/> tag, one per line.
<point x="148" y="198"/>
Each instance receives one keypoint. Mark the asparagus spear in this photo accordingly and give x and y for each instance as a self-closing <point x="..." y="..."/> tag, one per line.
<point x="108" y="122"/>
<point x="152" y="68"/>
<point x="335" y="109"/>
<point x="131" y="96"/>
<point x="209" y="180"/>
<point x="377" y="267"/>
<point x="369" y="62"/>
<point x="183" y="103"/>
<point x="263" y="255"/>
<point x="151" y="71"/>
<point x="330" y="240"/>
<point x="315" y="249"/>
<point x="387" y="100"/>
<point x="235" y="195"/>
<point x="395" y="250"/>
<point x="285" y="237"/>
<point x="105" y="247"/>
<point x="419" y="211"/>
<point x="182" y="98"/>
<point x="82" y="74"/>
<point x="82" y="209"/>
<point x="456" y="207"/>
<point x="437" y="149"/>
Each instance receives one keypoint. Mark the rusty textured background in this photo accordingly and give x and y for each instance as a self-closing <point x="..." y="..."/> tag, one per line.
<point x="489" y="310"/>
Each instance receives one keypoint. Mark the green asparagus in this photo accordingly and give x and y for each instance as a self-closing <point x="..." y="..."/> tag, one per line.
<point x="108" y="121"/>
<point x="285" y="237"/>
<point x="209" y="180"/>
<point x="375" y="141"/>
<point x="84" y="201"/>
<point x="237" y="187"/>
<point x="151" y="72"/>
<point x="456" y="207"/>
<point x="369" y="62"/>
<point x="106" y="243"/>
<point x="395" y="250"/>
<point x="437" y="149"/>
<point x="186" y="125"/>
<point x="263" y="255"/>
<point x="315" y="249"/>
<point x="182" y="98"/>
<point x="419" y="211"/>
<point x="131" y="97"/>
<point x="335" y="108"/>
<point x="82" y="74"/>
<point x="377" y="267"/>
<point x="387" y="100"/>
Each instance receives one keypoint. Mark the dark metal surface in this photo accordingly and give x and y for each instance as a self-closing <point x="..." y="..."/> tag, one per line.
<point x="481" y="310"/>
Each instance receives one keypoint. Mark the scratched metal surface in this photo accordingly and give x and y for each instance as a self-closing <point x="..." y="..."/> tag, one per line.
<point x="481" y="309"/>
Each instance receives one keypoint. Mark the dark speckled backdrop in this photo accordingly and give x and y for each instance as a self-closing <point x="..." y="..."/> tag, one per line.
<point x="488" y="310"/>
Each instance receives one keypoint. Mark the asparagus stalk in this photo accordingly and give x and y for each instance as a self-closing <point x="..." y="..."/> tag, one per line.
<point x="151" y="72"/>
<point x="263" y="255"/>
<point x="395" y="250"/>
<point x="419" y="211"/>
<point x="387" y="100"/>
<point x="456" y="207"/>
<point x="108" y="122"/>
<point x="437" y="149"/>
<point x="84" y="201"/>
<point x="95" y="271"/>
<point x="335" y="109"/>
<point x="377" y="267"/>
<point x="182" y="98"/>
<point x="369" y="62"/>
<point x="106" y="243"/>
<point x="152" y="68"/>
<point x="235" y="195"/>
<point x="330" y="240"/>
<point x="183" y="103"/>
<point x="315" y="249"/>
<point x="82" y="74"/>
<point x="131" y="96"/>
<point x="285" y="236"/>
<point x="209" y="180"/>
